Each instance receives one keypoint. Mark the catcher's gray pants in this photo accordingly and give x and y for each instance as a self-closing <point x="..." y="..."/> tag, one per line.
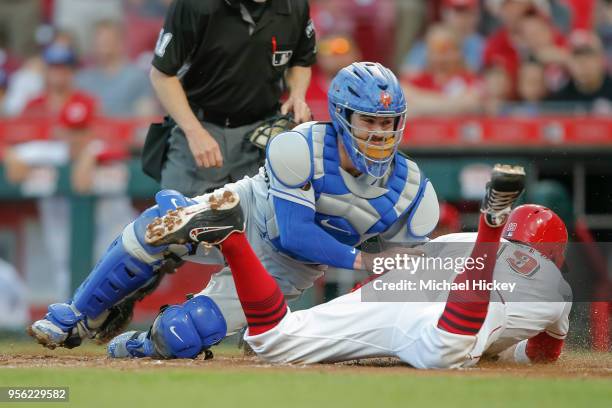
<point x="240" y="158"/>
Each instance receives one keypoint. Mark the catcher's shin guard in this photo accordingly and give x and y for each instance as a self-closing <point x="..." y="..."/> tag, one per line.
<point x="179" y="331"/>
<point x="129" y="267"/>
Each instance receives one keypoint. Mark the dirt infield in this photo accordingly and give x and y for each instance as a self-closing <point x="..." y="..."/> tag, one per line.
<point x="571" y="365"/>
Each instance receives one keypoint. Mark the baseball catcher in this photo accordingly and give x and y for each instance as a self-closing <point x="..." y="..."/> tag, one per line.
<point x="324" y="189"/>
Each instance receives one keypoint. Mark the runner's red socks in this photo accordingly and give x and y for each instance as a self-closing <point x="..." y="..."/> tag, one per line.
<point x="465" y="311"/>
<point x="262" y="301"/>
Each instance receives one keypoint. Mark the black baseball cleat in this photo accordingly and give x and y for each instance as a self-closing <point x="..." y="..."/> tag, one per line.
<point x="506" y="185"/>
<point x="209" y="222"/>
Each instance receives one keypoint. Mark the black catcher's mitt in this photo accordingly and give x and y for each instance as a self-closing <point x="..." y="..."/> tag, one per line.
<point x="262" y="134"/>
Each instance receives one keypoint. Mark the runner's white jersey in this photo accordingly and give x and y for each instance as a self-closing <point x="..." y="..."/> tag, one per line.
<point x="540" y="301"/>
<point x="348" y="328"/>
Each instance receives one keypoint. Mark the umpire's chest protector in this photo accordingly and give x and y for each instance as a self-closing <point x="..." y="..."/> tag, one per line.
<point x="352" y="210"/>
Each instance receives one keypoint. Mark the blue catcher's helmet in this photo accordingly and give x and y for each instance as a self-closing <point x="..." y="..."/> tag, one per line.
<point x="373" y="92"/>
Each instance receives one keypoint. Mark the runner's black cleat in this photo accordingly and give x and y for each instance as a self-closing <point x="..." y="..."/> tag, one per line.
<point x="506" y="185"/>
<point x="209" y="222"/>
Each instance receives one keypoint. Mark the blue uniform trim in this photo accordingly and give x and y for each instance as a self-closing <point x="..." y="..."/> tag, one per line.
<point x="311" y="149"/>
<point x="415" y="205"/>
<point x="306" y="202"/>
<point x="384" y="205"/>
<point x="331" y="182"/>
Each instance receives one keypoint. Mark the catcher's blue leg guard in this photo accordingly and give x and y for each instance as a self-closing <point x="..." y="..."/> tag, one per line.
<point x="128" y="266"/>
<point x="179" y="331"/>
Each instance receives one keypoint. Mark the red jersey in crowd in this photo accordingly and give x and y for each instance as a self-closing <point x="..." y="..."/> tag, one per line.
<point x="454" y="85"/>
<point x="500" y="50"/>
<point x="40" y="106"/>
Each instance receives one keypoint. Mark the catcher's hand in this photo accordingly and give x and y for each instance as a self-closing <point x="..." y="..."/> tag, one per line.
<point x="262" y="134"/>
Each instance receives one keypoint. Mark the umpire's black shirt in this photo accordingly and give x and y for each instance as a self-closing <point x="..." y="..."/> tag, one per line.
<point x="230" y="65"/>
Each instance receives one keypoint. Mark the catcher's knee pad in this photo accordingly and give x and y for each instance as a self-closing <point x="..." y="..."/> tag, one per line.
<point x="129" y="263"/>
<point x="184" y="331"/>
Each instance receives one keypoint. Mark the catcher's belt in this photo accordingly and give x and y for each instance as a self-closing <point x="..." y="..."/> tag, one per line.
<point x="261" y="135"/>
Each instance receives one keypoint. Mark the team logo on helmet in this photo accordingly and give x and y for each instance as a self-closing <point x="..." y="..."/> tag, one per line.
<point x="385" y="99"/>
<point x="511" y="228"/>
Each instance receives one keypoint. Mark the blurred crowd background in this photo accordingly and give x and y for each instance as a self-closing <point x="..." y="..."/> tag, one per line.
<point x="492" y="57"/>
<point x="75" y="100"/>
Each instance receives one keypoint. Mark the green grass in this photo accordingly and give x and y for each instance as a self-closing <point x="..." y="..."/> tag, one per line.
<point x="179" y="388"/>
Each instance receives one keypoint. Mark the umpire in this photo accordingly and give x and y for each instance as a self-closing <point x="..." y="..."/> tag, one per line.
<point x="219" y="69"/>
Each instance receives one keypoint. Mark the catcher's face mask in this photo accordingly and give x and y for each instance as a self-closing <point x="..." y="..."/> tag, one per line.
<point x="375" y="139"/>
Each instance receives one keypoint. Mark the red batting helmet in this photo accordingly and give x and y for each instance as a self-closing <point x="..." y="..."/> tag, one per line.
<point x="540" y="228"/>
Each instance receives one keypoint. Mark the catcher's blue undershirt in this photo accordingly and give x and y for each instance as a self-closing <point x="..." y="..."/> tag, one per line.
<point x="299" y="234"/>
